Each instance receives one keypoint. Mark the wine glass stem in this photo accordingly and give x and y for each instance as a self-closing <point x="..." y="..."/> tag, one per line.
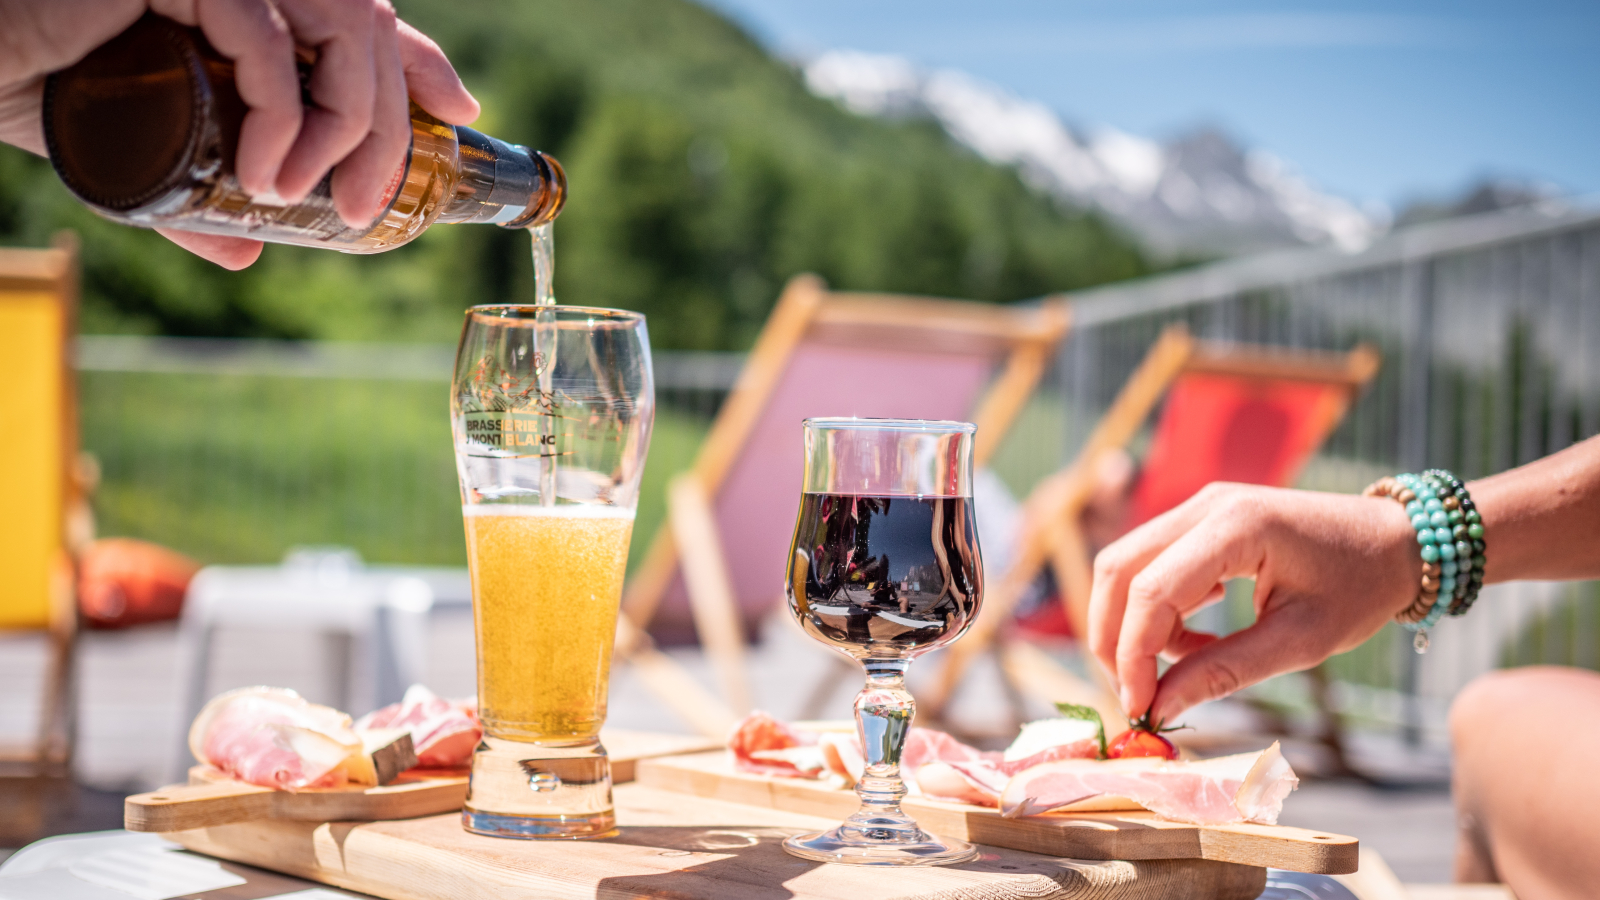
<point x="884" y="710"/>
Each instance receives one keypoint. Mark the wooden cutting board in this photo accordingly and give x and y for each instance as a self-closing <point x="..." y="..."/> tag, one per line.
<point x="674" y="846"/>
<point x="1102" y="835"/>
<point x="211" y="798"/>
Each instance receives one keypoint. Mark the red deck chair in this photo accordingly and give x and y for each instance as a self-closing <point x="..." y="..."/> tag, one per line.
<point x="1232" y="413"/>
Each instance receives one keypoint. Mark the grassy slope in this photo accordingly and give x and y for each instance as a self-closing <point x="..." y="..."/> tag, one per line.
<point x="238" y="469"/>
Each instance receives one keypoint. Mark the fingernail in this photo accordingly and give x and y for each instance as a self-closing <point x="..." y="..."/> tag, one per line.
<point x="268" y="197"/>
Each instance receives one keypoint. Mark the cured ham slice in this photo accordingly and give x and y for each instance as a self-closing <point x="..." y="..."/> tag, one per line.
<point x="981" y="781"/>
<point x="1248" y="787"/>
<point x="841" y="755"/>
<point x="762" y="745"/>
<point x="842" y="751"/>
<point x="937" y="765"/>
<point x="275" y="738"/>
<point x="444" y="732"/>
<point x="924" y="745"/>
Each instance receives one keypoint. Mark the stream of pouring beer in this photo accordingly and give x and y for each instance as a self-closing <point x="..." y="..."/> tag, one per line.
<point x="544" y="294"/>
<point x="544" y="264"/>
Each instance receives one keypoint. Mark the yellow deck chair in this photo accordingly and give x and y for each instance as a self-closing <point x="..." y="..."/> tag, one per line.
<point x="39" y="491"/>
<point x="717" y="566"/>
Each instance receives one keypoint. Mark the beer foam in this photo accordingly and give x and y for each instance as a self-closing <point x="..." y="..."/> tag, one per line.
<point x="571" y="511"/>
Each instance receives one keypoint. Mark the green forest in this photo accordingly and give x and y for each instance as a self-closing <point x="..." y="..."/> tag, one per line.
<point x="702" y="176"/>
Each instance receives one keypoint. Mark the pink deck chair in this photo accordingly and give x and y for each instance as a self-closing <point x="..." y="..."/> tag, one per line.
<point x="718" y="567"/>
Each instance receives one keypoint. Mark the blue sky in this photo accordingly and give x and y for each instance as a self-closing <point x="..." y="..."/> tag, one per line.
<point x="1374" y="101"/>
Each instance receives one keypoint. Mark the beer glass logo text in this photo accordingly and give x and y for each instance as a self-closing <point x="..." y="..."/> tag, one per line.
<point x="514" y="433"/>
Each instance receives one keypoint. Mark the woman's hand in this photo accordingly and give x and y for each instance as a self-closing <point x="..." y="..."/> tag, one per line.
<point x="368" y="63"/>
<point x="1330" y="570"/>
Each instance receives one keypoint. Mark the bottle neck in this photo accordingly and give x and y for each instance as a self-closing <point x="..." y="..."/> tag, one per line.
<point x="504" y="184"/>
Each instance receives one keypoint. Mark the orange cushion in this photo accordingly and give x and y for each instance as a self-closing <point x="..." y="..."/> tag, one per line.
<point x="124" y="582"/>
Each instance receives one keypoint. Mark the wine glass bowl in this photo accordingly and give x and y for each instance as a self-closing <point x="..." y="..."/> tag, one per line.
<point x="884" y="566"/>
<point x="867" y="580"/>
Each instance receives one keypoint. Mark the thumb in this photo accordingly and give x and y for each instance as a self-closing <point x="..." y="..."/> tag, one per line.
<point x="1216" y="669"/>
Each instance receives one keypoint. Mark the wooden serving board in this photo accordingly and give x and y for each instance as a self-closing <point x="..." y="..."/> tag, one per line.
<point x="1130" y="835"/>
<point x="211" y="798"/>
<point x="673" y="846"/>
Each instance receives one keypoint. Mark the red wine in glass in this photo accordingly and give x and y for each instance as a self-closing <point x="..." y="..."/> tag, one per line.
<point x="884" y="576"/>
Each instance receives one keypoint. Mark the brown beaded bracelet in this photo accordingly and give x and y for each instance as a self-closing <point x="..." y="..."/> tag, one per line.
<point x="1428" y="591"/>
<point x="1450" y="540"/>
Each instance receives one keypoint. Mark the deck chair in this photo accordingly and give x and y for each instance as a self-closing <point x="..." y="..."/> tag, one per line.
<point x="41" y="501"/>
<point x="1232" y="413"/>
<point x="718" y="566"/>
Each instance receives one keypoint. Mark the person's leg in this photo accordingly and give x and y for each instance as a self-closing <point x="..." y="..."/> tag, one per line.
<point x="1526" y="787"/>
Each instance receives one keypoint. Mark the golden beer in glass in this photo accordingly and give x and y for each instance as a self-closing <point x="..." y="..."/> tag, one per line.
<point x="551" y="413"/>
<point x="547" y="588"/>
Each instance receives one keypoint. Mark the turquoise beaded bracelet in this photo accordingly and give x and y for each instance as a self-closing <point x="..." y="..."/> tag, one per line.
<point x="1450" y="541"/>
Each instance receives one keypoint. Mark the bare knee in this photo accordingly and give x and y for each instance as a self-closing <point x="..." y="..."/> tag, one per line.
<point x="1492" y="697"/>
<point x="1525" y="806"/>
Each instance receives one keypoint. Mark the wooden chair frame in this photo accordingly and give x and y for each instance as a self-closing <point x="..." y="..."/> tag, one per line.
<point x="1028" y="337"/>
<point x="1054" y="507"/>
<point x="55" y="272"/>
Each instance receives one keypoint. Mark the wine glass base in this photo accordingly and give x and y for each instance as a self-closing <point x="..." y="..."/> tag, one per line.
<point x="855" y="849"/>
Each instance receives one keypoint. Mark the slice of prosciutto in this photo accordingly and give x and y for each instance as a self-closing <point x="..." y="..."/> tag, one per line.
<point x="1247" y="787"/>
<point x="275" y="738"/>
<point x="762" y="745"/>
<point x="981" y="781"/>
<point x="924" y="746"/>
<point x="444" y="732"/>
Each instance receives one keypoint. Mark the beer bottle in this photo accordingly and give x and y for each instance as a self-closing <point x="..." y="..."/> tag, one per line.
<point x="144" y="130"/>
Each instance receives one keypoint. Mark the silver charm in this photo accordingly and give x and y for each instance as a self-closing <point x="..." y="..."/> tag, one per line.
<point x="1420" y="642"/>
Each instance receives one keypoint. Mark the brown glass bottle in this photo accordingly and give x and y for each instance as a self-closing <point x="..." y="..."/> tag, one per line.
<point x="144" y="130"/>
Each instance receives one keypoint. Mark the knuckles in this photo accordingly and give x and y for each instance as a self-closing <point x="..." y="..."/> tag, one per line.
<point x="1219" y="679"/>
<point x="276" y="38"/>
<point x="1232" y="503"/>
<point x="1110" y="562"/>
<point x="1213" y="491"/>
<point x="1146" y="588"/>
<point x="352" y="17"/>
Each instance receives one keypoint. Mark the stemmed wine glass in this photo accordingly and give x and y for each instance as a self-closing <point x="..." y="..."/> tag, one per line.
<point x="884" y="567"/>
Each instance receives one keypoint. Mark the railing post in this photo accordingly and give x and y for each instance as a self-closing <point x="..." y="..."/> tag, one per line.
<point x="1416" y="304"/>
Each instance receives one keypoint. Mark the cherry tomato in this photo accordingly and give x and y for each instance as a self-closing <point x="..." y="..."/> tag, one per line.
<point x="1138" y="742"/>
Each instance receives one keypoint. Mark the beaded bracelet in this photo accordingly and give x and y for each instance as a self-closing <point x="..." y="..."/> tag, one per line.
<point x="1450" y="538"/>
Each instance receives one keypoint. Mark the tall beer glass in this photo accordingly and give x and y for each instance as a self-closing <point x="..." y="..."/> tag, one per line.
<point x="551" y="409"/>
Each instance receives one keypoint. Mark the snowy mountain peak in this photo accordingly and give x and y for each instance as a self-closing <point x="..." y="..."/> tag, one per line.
<point x="1198" y="193"/>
